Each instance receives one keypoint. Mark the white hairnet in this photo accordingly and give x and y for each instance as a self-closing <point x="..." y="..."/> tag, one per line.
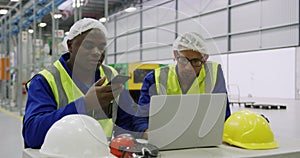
<point x="64" y="44"/>
<point x="190" y="41"/>
<point x="83" y="25"/>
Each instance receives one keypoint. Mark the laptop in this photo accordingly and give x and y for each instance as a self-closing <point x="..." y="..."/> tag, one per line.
<point x="186" y="121"/>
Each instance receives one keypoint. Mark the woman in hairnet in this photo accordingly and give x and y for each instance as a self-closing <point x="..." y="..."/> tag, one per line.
<point x="191" y="75"/>
<point x="76" y="84"/>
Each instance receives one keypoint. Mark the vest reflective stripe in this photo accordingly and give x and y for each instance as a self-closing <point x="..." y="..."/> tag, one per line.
<point x="67" y="84"/>
<point x="211" y="70"/>
<point x="167" y="82"/>
<point x="54" y="79"/>
<point x="66" y="91"/>
<point x="108" y="124"/>
<point x="162" y="77"/>
<point x="52" y="84"/>
<point x="108" y="72"/>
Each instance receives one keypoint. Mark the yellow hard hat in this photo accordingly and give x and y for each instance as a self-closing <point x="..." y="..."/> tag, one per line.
<point x="248" y="130"/>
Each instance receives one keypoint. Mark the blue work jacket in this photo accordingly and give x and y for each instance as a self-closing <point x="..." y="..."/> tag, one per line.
<point x="41" y="109"/>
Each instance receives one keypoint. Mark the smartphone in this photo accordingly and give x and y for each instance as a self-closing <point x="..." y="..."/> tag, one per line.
<point x="119" y="79"/>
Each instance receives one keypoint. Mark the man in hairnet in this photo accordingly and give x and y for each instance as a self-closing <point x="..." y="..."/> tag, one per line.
<point x="191" y="75"/>
<point x="77" y="84"/>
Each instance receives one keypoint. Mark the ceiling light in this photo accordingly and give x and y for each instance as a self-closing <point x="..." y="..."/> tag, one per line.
<point x="130" y="9"/>
<point x="30" y="31"/>
<point x="103" y="19"/>
<point x="42" y="24"/>
<point x="3" y="11"/>
<point x="14" y="0"/>
<point x="57" y="16"/>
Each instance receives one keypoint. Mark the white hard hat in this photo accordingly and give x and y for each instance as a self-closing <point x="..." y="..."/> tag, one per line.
<point x="76" y="136"/>
<point x="190" y="41"/>
<point x="83" y="25"/>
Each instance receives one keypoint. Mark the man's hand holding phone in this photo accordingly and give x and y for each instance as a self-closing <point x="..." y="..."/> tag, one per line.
<point x="100" y="96"/>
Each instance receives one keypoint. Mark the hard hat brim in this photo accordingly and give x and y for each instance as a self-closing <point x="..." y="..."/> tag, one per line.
<point x="252" y="146"/>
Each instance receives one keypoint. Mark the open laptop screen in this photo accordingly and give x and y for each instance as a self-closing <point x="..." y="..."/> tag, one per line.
<point x="186" y="121"/>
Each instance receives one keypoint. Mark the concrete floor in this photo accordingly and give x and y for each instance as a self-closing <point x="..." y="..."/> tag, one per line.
<point x="283" y="123"/>
<point x="11" y="143"/>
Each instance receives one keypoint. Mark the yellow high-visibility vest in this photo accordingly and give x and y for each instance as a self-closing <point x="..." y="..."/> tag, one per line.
<point x="166" y="80"/>
<point x="66" y="91"/>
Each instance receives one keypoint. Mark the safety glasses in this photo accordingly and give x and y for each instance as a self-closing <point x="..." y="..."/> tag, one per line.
<point x="184" y="60"/>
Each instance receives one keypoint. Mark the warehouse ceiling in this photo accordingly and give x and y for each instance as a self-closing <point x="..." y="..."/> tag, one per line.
<point x="89" y="8"/>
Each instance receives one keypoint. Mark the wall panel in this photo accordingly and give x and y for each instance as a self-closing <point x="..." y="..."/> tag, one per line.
<point x="281" y="37"/>
<point x="242" y="42"/>
<point x="209" y="5"/>
<point x="121" y="26"/>
<point x="150" y="18"/>
<point x="110" y="46"/>
<point x="277" y="12"/>
<point x="217" y="46"/>
<point x="133" y="57"/>
<point x="110" y="59"/>
<point x="239" y="29"/>
<point x="165" y="53"/>
<point x="189" y="25"/>
<point x="166" y="34"/>
<point x="149" y="38"/>
<point x="245" y="17"/>
<point x="239" y="1"/>
<point x="264" y="74"/>
<point x="122" y="44"/>
<point x="133" y="41"/>
<point x="188" y="8"/>
<point x="150" y="54"/>
<point x="214" y="24"/>
<point x="111" y="28"/>
<point x="133" y="22"/>
<point x="166" y="13"/>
